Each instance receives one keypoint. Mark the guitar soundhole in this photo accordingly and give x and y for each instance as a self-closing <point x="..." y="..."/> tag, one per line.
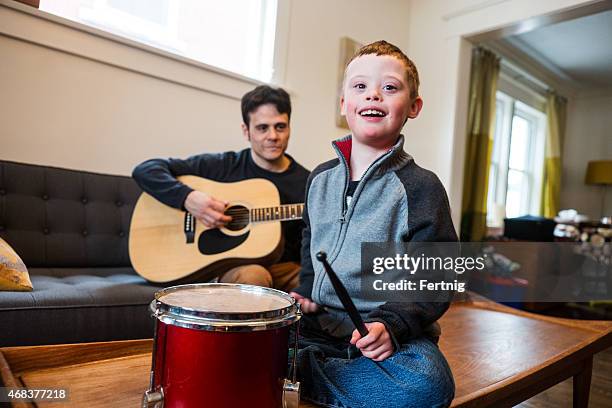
<point x="240" y="217"/>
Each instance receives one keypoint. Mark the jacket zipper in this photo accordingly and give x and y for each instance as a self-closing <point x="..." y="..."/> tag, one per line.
<point x="342" y="218"/>
<point x="346" y="183"/>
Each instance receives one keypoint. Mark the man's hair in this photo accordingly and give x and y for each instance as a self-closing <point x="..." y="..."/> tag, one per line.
<point x="384" y="48"/>
<point x="263" y="95"/>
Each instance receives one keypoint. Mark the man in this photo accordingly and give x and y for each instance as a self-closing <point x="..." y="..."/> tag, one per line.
<point x="266" y="112"/>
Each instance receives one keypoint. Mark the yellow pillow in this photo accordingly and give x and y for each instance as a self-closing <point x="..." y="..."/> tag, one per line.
<point x="13" y="273"/>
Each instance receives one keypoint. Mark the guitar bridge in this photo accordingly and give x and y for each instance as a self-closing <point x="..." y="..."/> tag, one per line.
<point x="189" y="228"/>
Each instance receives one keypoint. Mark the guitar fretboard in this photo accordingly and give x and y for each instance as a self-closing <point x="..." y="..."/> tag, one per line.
<point x="283" y="212"/>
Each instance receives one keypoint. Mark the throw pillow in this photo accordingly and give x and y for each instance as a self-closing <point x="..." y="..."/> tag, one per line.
<point x="13" y="273"/>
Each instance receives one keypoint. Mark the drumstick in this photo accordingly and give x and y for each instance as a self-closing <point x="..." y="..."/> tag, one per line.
<point x="343" y="295"/>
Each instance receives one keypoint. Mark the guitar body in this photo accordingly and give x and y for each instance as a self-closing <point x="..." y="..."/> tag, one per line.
<point x="159" y="248"/>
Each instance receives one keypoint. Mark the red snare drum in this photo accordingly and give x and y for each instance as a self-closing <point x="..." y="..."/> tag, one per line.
<point x="221" y="345"/>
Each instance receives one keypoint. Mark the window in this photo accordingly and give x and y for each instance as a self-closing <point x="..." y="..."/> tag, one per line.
<point x="235" y="35"/>
<point x="517" y="160"/>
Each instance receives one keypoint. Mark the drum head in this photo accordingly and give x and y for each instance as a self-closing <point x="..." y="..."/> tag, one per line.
<point x="226" y="299"/>
<point x="219" y="306"/>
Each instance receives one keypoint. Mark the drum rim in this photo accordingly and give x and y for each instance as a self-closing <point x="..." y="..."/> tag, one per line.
<point x="227" y="321"/>
<point x="225" y="325"/>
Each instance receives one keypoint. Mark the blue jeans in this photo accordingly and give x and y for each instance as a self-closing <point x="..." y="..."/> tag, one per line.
<point x="333" y="373"/>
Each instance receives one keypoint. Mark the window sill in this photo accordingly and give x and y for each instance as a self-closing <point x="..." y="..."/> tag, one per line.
<point x="37" y="27"/>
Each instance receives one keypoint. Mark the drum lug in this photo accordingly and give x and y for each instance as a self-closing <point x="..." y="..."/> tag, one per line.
<point x="291" y="394"/>
<point x="153" y="399"/>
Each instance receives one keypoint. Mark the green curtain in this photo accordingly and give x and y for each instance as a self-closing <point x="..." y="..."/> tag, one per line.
<point x="480" y="132"/>
<point x="556" y="108"/>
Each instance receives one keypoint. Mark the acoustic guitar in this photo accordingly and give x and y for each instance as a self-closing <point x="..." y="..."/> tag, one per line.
<point x="169" y="245"/>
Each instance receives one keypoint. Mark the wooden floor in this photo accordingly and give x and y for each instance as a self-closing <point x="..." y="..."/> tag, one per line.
<point x="560" y="396"/>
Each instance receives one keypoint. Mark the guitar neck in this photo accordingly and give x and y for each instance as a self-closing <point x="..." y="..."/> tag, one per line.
<point x="285" y="212"/>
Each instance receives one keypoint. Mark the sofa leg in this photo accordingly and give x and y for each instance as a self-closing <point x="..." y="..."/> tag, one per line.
<point x="582" y="384"/>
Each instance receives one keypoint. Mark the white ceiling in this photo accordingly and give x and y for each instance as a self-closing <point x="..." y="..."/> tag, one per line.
<point x="578" y="50"/>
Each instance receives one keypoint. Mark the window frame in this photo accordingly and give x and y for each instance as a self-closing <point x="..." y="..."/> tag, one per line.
<point x="500" y="168"/>
<point x="279" y="53"/>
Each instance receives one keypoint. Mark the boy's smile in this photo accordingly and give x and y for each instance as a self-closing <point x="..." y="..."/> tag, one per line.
<point x="372" y="114"/>
<point x="376" y="99"/>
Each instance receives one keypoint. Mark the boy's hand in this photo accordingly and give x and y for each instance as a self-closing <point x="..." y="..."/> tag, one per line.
<point x="208" y="210"/>
<point x="308" y="306"/>
<point x="377" y="344"/>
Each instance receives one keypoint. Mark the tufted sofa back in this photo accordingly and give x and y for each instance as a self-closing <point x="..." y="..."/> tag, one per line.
<point x="66" y="218"/>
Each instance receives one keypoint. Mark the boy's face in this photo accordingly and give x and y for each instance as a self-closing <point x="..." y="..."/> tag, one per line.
<point x="376" y="99"/>
<point x="268" y="132"/>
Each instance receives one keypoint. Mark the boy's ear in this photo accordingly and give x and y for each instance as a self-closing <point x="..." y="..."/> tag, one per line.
<point x="415" y="107"/>
<point x="245" y="132"/>
<point x="342" y="106"/>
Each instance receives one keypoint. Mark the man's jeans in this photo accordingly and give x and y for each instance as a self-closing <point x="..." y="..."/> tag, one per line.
<point x="333" y="373"/>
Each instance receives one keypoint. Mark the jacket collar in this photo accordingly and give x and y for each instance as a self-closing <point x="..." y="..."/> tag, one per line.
<point x="393" y="160"/>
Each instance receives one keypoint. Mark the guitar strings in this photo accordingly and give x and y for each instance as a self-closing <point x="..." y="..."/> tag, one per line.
<point x="245" y="211"/>
<point x="279" y="209"/>
<point x="261" y="215"/>
<point x="245" y="215"/>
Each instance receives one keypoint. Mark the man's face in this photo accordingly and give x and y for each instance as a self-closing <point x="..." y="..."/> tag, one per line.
<point x="268" y="133"/>
<point x="376" y="99"/>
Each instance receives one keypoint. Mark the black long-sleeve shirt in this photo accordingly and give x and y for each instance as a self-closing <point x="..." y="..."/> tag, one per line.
<point x="158" y="178"/>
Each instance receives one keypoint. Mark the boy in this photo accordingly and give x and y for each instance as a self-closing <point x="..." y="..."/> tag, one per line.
<point x="374" y="192"/>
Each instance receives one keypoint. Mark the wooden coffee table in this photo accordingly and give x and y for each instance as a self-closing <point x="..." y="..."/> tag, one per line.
<point x="499" y="357"/>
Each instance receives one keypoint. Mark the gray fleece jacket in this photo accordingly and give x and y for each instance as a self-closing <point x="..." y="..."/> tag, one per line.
<point x="395" y="201"/>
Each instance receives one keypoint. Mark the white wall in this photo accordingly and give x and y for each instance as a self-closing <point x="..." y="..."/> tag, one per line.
<point x="437" y="44"/>
<point x="78" y="100"/>
<point x="60" y="108"/>
<point x="588" y="137"/>
<point x="314" y="49"/>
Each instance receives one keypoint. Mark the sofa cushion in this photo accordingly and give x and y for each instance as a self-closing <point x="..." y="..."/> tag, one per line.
<point x="59" y="218"/>
<point x="72" y="305"/>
